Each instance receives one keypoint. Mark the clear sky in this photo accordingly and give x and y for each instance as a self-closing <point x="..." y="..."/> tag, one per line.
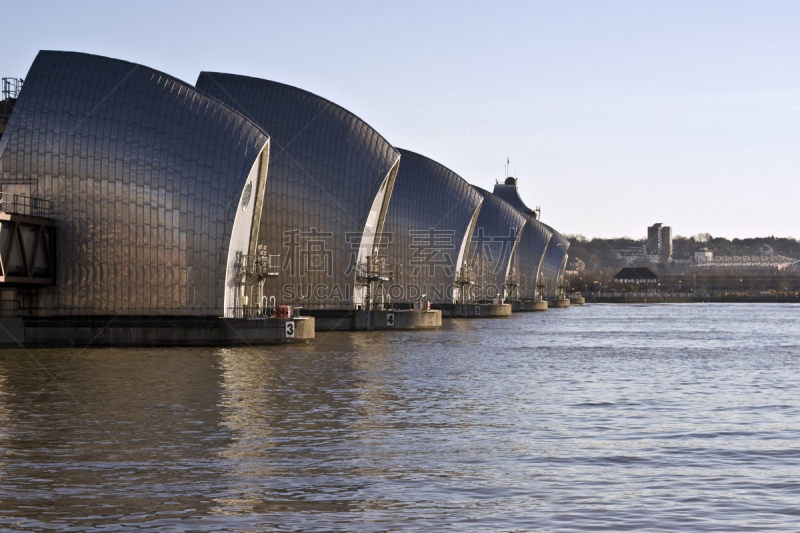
<point x="615" y="115"/>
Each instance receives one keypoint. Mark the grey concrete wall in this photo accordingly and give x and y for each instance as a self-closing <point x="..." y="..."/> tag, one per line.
<point x="404" y="319"/>
<point x="398" y="319"/>
<point x="163" y="331"/>
<point x="522" y="306"/>
<point x="480" y="311"/>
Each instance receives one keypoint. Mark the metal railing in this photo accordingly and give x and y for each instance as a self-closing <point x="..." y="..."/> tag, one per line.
<point x="24" y="205"/>
<point x="259" y="312"/>
<point x="250" y="312"/>
<point x="11" y="88"/>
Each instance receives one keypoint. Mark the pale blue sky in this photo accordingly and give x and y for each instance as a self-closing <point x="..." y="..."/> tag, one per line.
<point x="615" y="115"/>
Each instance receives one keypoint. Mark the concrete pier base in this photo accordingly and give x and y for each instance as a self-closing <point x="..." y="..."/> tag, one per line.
<point x="558" y="303"/>
<point x="477" y="311"/>
<point x="159" y="331"/>
<point x="526" y="306"/>
<point x="580" y="300"/>
<point x="377" y="320"/>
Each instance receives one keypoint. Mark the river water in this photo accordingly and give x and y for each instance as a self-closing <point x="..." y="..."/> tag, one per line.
<point x="601" y="417"/>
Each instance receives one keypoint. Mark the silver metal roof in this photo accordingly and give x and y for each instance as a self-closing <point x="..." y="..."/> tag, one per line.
<point x="529" y="259"/>
<point x="510" y="193"/>
<point x="428" y="228"/>
<point x="555" y="264"/>
<point x="330" y="180"/>
<point x="533" y="243"/>
<point x="145" y="175"/>
<point x="494" y="241"/>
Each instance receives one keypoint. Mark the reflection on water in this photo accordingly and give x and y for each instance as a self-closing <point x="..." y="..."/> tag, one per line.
<point x="602" y="417"/>
<point x="118" y="432"/>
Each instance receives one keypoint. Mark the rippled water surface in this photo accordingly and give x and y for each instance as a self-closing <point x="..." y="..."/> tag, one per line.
<point x="602" y="417"/>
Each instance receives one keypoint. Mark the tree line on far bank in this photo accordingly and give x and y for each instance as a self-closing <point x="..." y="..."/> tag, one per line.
<point x="599" y="255"/>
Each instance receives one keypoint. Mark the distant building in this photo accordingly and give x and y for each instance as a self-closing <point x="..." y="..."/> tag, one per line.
<point x="767" y="250"/>
<point x="666" y="244"/>
<point x="636" y="276"/>
<point x="654" y="239"/>
<point x="736" y="263"/>
<point x="659" y="243"/>
<point x="631" y="255"/>
<point x="703" y="256"/>
<point x="575" y="267"/>
<point x="657" y="249"/>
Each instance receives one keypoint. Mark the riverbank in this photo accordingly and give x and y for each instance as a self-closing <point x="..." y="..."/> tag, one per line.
<point x="731" y="298"/>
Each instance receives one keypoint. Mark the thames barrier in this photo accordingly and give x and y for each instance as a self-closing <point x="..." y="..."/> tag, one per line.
<point x="137" y="209"/>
